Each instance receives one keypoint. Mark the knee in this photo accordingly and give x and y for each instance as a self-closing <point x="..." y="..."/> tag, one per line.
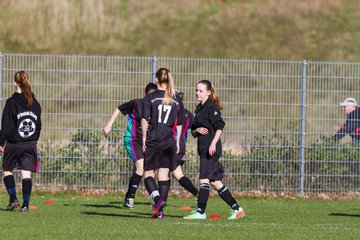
<point x="7" y="173"/>
<point x="217" y="184"/>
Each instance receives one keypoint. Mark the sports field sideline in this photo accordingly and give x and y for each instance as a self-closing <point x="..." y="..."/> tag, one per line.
<point x="74" y="216"/>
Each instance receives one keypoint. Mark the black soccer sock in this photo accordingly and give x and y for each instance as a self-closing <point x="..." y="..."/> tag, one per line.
<point x="26" y="189"/>
<point x="152" y="189"/>
<point x="187" y="184"/>
<point x="133" y="185"/>
<point x="164" y="187"/>
<point x="226" y="195"/>
<point x="203" y="197"/>
<point x="10" y="187"/>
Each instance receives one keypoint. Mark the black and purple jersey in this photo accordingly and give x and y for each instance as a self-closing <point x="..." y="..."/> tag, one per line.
<point x="188" y="117"/>
<point x="162" y="119"/>
<point x="133" y="109"/>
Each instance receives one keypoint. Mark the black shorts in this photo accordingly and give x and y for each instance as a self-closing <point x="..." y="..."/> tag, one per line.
<point x="211" y="168"/>
<point x="133" y="148"/>
<point x="21" y="155"/>
<point x="163" y="155"/>
<point x="179" y="161"/>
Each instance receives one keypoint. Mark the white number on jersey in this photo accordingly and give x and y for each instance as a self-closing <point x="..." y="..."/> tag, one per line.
<point x="164" y="108"/>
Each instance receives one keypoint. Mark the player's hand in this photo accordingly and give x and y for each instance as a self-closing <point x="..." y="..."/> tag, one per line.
<point x="106" y="130"/>
<point x="2" y="149"/>
<point x="212" y="149"/>
<point x="202" y="130"/>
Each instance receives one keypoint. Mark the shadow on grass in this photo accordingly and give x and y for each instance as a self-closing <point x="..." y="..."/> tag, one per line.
<point x="134" y="215"/>
<point x="150" y="204"/>
<point x="116" y="215"/>
<point x="344" y="215"/>
<point x="166" y="215"/>
<point x="102" y="206"/>
<point x="136" y="203"/>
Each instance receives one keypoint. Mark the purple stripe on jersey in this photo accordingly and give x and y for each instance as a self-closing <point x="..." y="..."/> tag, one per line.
<point x="134" y="124"/>
<point x="133" y="150"/>
<point x="37" y="160"/>
<point x="185" y="129"/>
<point x="174" y="129"/>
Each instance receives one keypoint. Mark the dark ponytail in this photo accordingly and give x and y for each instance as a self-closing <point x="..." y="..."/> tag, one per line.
<point x="21" y="78"/>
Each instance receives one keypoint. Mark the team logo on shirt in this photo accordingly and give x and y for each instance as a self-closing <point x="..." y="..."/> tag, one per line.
<point x="26" y="128"/>
<point x="216" y="113"/>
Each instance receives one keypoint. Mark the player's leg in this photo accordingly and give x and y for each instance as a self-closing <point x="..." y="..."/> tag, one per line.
<point x="225" y="194"/>
<point x="184" y="181"/>
<point x="203" y="198"/>
<point x="9" y="182"/>
<point x="28" y="162"/>
<point x="134" y="183"/>
<point x="153" y="191"/>
<point x="164" y="183"/>
<point x="133" y="148"/>
<point x="26" y="189"/>
<point x="9" y="163"/>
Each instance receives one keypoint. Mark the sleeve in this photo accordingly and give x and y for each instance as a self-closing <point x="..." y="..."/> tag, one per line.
<point x="215" y="118"/>
<point x="7" y="123"/>
<point x="146" y="108"/>
<point x="40" y="121"/>
<point x="193" y="125"/>
<point x="190" y="117"/>
<point x="348" y="127"/>
<point x="127" y="107"/>
<point x="181" y="114"/>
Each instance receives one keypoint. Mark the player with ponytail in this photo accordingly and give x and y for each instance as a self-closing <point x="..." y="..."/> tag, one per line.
<point x="20" y="131"/>
<point x="163" y="113"/>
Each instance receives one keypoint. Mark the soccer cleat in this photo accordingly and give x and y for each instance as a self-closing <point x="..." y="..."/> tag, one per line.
<point x="195" y="215"/>
<point x="160" y="214"/>
<point x="157" y="207"/>
<point x="24" y="209"/>
<point x="235" y="214"/>
<point x="129" y="203"/>
<point x="12" y="205"/>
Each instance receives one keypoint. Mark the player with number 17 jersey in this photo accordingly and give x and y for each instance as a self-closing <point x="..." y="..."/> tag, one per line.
<point x="163" y="120"/>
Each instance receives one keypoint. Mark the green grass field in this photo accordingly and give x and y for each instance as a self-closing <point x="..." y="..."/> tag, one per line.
<point x="73" y="216"/>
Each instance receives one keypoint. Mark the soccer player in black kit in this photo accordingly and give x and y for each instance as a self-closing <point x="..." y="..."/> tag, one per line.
<point x="132" y="140"/>
<point x="207" y="127"/>
<point x="162" y="114"/>
<point x="20" y="130"/>
<point x="178" y="173"/>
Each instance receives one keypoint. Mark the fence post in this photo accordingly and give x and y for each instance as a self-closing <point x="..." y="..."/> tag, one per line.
<point x="302" y="130"/>
<point x="153" y="69"/>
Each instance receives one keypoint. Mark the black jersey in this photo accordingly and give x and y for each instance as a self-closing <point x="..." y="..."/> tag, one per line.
<point x="20" y="123"/>
<point x="162" y="119"/>
<point x="207" y="116"/>
<point x="351" y="126"/>
<point x="133" y="109"/>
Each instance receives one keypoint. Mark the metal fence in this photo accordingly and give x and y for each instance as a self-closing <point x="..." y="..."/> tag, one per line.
<point x="279" y="117"/>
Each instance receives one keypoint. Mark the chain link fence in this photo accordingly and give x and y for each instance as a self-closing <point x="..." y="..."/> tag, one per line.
<point x="279" y="115"/>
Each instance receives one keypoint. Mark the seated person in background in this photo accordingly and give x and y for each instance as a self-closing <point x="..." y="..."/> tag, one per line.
<point x="352" y="124"/>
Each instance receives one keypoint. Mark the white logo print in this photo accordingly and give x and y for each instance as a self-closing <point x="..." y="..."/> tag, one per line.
<point x="26" y="128"/>
<point x="215" y="113"/>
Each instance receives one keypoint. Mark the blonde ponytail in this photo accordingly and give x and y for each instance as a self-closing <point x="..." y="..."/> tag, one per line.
<point x="164" y="77"/>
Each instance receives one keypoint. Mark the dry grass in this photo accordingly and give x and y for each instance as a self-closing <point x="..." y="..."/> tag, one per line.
<point x="312" y="29"/>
